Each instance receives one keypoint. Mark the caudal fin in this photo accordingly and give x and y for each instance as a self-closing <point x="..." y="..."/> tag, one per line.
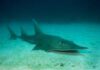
<point x="13" y="36"/>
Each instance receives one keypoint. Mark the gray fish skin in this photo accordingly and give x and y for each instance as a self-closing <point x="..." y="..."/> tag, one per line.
<point x="47" y="42"/>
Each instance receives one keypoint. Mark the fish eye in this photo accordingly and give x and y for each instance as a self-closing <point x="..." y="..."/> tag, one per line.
<point x="61" y="42"/>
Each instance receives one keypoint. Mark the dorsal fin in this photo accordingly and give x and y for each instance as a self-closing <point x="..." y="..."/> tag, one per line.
<point x="13" y="35"/>
<point x="37" y="28"/>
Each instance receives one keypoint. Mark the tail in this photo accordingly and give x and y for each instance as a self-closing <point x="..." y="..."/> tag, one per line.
<point x="13" y="36"/>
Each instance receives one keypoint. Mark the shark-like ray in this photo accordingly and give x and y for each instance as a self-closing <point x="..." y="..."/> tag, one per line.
<point x="47" y="42"/>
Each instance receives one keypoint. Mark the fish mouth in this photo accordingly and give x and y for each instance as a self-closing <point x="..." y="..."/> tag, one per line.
<point x="65" y="51"/>
<point x="83" y="48"/>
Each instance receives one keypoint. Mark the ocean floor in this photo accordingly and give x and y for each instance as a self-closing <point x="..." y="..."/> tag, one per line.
<point x="18" y="54"/>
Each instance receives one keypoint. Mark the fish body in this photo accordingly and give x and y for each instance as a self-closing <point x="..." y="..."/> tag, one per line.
<point x="46" y="42"/>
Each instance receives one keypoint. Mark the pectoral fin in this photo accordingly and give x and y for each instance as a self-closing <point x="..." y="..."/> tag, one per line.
<point x="36" y="48"/>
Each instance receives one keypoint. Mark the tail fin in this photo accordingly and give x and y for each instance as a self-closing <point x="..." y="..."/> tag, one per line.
<point x="13" y="36"/>
<point x="37" y="28"/>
